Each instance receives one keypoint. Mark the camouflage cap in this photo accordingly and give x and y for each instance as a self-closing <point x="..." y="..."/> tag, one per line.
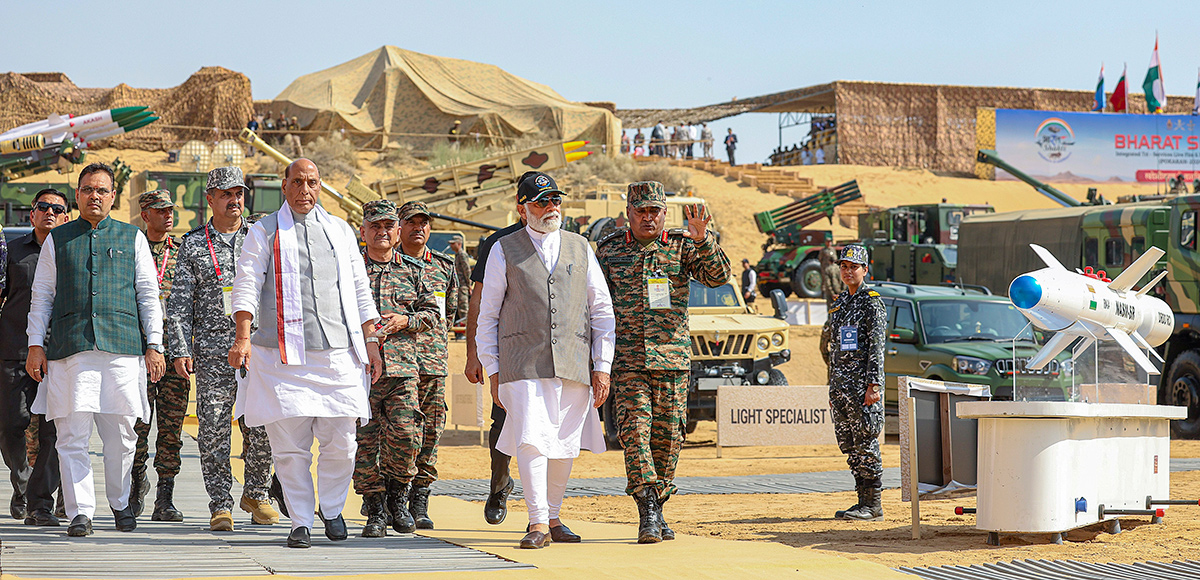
<point x="157" y="199"/>
<point x="646" y="194"/>
<point x="413" y="208"/>
<point x="225" y="178"/>
<point x="855" y="254"/>
<point x="379" y="209"/>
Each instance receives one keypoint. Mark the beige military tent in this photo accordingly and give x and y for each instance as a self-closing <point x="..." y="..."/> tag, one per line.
<point x="408" y="94"/>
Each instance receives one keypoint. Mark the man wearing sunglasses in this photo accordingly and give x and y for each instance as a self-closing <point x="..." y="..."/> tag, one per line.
<point x="87" y="342"/>
<point x="545" y="340"/>
<point x="35" y="485"/>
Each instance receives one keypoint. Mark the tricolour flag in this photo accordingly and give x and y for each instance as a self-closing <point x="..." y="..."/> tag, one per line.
<point x="1099" y="104"/>
<point x="1156" y="98"/>
<point x="1120" y="94"/>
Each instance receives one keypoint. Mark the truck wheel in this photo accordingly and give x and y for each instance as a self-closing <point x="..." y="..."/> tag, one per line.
<point x="610" y="424"/>
<point x="1185" y="392"/>
<point x="601" y="228"/>
<point x="775" y="377"/>
<point x="806" y="280"/>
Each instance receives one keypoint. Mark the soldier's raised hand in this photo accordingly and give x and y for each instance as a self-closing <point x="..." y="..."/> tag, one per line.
<point x="697" y="217"/>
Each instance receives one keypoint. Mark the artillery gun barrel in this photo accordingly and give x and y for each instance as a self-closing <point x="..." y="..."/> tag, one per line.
<point x="990" y="157"/>
<point x="250" y="138"/>
<point x="463" y="221"/>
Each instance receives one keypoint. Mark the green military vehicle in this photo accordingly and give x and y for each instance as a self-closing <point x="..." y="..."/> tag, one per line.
<point x="963" y="335"/>
<point x="790" y="261"/>
<point x="994" y="249"/>
<point x="915" y="244"/>
<point x="265" y="195"/>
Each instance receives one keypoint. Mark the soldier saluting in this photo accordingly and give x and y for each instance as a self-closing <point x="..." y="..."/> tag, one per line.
<point x="648" y="271"/>
<point x="852" y="344"/>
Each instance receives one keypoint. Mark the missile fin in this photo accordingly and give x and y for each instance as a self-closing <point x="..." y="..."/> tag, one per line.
<point x="1131" y="348"/>
<point x="1152" y="283"/>
<point x="1047" y="257"/>
<point x="1055" y="345"/>
<point x="1129" y="276"/>
<point x="1087" y="342"/>
<point x="1142" y="342"/>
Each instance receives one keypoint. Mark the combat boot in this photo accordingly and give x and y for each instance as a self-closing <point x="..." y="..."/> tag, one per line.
<point x="872" y="504"/>
<point x="397" y="497"/>
<point x="377" y="520"/>
<point x="137" y="492"/>
<point x="164" y="507"/>
<point x="858" y="488"/>
<point x="649" y="531"/>
<point x="667" y="532"/>
<point x="418" y="507"/>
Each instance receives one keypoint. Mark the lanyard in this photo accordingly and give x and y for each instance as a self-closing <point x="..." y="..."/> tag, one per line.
<point x="212" y="253"/>
<point x="162" y="268"/>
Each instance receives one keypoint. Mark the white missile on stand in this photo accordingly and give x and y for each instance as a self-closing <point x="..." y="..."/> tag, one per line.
<point x="1074" y="305"/>
<point x="59" y="125"/>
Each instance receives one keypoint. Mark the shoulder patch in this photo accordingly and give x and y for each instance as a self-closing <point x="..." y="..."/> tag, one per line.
<point x="872" y="293"/>
<point x="615" y="234"/>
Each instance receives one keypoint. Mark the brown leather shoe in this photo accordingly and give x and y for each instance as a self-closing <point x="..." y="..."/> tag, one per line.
<point x="564" y="535"/>
<point x="534" y="540"/>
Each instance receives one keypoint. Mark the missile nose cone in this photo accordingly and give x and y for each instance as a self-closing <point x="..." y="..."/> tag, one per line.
<point x="1025" y="292"/>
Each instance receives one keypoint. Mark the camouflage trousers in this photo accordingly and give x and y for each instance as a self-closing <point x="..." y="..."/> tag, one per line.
<point x="388" y="444"/>
<point x="216" y="387"/>
<point x="651" y="413"/>
<point x="168" y="403"/>
<point x="432" y="392"/>
<point x="857" y="428"/>
<point x="464" y="298"/>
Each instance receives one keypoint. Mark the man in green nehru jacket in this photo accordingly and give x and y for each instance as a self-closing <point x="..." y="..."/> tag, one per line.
<point x="87" y="343"/>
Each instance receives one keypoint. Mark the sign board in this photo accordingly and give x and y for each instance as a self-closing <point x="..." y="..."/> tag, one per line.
<point x="1060" y="146"/>
<point x="763" y="415"/>
<point x="468" y="401"/>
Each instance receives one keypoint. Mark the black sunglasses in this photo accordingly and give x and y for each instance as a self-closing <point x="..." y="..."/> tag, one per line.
<point x="52" y="207"/>
<point x="545" y="201"/>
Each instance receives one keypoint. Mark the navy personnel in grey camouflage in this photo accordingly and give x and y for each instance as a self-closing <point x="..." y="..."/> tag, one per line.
<point x="852" y="344"/>
<point x="200" y="332"/>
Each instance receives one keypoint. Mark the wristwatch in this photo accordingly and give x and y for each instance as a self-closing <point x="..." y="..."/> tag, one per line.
<point x="157" y="347"/>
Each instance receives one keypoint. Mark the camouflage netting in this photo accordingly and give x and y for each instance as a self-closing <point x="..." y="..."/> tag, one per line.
<point x="212" y="97"/>
<point x="403" y="92"/>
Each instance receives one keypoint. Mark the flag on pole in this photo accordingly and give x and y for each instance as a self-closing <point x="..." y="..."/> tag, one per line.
<point x="1196" y="103"/>
<point x="1120" y="94"/>
<point x="1156" y="98"/>
<point x="1099" y="104"/>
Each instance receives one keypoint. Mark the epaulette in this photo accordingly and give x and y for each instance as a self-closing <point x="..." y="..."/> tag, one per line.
<point x="617" y="233"/>
<point x="872" y="293"/>
<point x="198" y="228"/>
<point x="411" y="260"/>
<point x="677" y="232"/>
<point x="444" y="257"/>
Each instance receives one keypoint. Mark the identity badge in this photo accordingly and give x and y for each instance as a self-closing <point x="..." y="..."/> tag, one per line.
<point x="849" y="336"/>
<point x="227" y="300"/>
<point x="441" y="301"/>
<point x="659" y="291"/>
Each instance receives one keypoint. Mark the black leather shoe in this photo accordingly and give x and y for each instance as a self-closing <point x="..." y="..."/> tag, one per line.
<point x="41" y="518"/>
<point x="496" y="508"/>
<point x="299" y="538"/>
<point x="80" y="526"/>
<point x="275" y="492"/>
<point x="126" y="521"/>
<point x="16" y="506"/>
<point x="335" y="529"/>
<point x="534" y="540"/>
<point x="564" y="534"/>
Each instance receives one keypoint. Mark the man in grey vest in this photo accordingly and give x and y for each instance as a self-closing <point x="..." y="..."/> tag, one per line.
<point x="86" y="345"/>
<point x="301" y="276"/>
<point x="545" y="339"/>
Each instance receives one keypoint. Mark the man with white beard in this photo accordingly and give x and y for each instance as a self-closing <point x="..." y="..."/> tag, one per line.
<point x="545" y="314"/>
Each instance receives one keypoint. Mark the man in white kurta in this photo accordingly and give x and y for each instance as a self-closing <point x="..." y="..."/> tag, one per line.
<point x="300" y="276"/>
<point x="86" y="346"/>
<point x="545" y="314"/>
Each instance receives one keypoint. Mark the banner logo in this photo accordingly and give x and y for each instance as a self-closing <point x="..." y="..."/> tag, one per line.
<point x="1054" y="137"/>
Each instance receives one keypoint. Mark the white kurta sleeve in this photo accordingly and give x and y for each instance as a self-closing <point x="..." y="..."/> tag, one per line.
<point x="487" y="331"/>
<point x="145" y="282"/>
<point x="600" y="313"/>
<point x="251" y="267"/>
<point x="45" y="282"/>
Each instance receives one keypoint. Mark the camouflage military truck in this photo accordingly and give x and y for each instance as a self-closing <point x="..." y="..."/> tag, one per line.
<point x="915" y="244"/>
<point x="994" y="249"/>
<point x="731" y="345"/>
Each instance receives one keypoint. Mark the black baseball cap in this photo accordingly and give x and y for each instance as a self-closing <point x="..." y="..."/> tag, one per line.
<point x="534" y="185"/>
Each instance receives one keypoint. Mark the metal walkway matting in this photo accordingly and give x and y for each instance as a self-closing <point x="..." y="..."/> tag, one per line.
<point x="818" y="482"/>
<point x="189" y="549"/>
<point x="1060" y="570"/>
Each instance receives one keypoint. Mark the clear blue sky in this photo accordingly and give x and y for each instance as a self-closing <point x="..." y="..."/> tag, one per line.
<point x="636" y="54"/>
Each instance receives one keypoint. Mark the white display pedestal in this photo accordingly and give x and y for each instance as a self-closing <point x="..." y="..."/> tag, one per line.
<point x="1037" y="458"/>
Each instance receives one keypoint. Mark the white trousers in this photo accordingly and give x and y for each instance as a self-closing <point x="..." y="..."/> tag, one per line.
<point x="543" y="481"/>
<point x="75" y="465"/>
<point x="291" y="448"/>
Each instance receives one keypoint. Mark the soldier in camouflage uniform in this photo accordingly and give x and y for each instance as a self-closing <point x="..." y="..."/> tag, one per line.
<point x="388" y="444"/>
<point x="169" y="396"/>
<point x="462" y="269"/>
<point x="200" y="332"/>
<point x="852" y="344"/>
<point x="831" y="278"/>
<point x="438" y="275"/>
<point x="648" y="271"/>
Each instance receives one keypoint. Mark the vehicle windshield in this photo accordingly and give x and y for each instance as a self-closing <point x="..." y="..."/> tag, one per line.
<point x="950" y="254"/>
<point x="955" y="320"/>
<point x="440" y="241"/>
<point x="701" y="296"/>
